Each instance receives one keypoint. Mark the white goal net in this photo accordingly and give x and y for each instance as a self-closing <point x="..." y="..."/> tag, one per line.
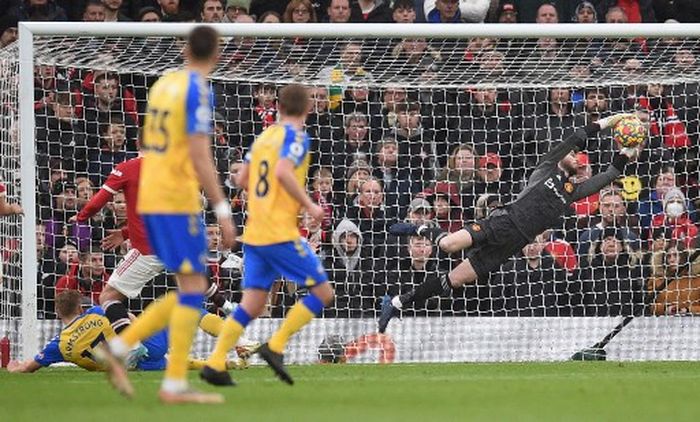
<point x="433" y="127"/>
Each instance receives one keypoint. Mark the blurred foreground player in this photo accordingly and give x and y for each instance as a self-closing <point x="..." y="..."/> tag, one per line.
<point x="275" y="175"/>
<point x="177" y="160"/>
<point x="506" y="230"/>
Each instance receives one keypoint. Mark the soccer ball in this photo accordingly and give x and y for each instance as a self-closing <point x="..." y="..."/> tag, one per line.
<point x="629" y="132"/>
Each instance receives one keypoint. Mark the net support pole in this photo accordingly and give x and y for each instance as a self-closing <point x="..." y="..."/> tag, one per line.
<point x="28" y="323"/>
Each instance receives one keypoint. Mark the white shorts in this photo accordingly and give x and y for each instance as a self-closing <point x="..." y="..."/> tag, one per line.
<point x="134" y="272"/>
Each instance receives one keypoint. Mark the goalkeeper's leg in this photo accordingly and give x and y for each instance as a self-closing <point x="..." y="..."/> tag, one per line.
<point x="447" y="242"/>
<point x="436" y="285"/>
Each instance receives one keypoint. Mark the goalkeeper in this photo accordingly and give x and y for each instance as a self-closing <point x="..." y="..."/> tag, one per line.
<point x="506" y="230"/>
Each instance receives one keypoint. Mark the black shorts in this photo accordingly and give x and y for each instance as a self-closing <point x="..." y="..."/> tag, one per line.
<point x="501" y="240"/>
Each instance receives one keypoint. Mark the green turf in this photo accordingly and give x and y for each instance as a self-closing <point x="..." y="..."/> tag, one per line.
<point x="585" y="391"/>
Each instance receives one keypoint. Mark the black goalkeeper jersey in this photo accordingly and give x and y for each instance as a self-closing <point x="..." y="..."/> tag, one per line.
<point x="549" y="193"/>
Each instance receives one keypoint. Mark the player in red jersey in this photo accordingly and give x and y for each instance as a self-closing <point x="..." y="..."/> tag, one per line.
<point x="139" y="265"/>
<point x="5" y="207"/>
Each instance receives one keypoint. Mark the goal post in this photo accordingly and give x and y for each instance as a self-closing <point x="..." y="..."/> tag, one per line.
<point x="506" y="319"/>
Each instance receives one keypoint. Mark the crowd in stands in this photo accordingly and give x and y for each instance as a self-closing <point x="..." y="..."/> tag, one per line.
<point x="380" y="154"/>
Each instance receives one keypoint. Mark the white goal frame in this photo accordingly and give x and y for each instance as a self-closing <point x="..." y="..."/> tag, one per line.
<point x="27" y="31"/>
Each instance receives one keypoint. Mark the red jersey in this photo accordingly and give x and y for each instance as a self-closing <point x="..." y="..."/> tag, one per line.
<point x="124" y="177"/>
<point x="2" y="188"/>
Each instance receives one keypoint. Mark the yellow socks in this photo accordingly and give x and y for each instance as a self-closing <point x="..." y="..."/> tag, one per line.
<point x="233" y="328"/>
<point x="211" y="324"/>
<point x="301" y="314"/>
<point x="184" y="321"/>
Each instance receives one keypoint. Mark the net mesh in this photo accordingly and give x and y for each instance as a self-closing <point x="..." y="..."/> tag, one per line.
<point x="445" y="129"/>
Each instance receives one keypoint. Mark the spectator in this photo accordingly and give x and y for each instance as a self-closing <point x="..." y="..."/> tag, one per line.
<point x="56" y="218"/>
<point x="403" y="11"/>
<point x="677" y="282"/>
<point x="349" y="66"/>
<point x="680" y="10"/>
<point x="41" y="10"/>
<point x="109" y="99"/>
<point x="8" y="30"/>
<point x="461" y="172"/>
<point x="664" y="182"/>
<point x="508" y="13"/>
<point x="94" y="11"/>
<point x="611" y="276"/>
<point x="589" y="205"/>
<point x="446" y="11"/>
<point x="112" y="11"/>
<point x="490" y="178"/>
<point x="349" y="270"/>
<point x="236" y="194"/>
<point x="547" y="13"/>
<point x="112" y="150"/>
<point x="370" y="11"/>
<point x="616" y="15"/>
<point x="323" y="194"/>
<point x="356" y="145"/>
<point x="585" y="13"/>
<point x="410" y="269"/>
<point x="60" y="135"/>
<point x="635" y="11"/>
<point x="359" y="172"/>
<point x="533" y="284"/>
<point x="612" y="212"/>
<point x="420" y="212"/>
<point x="270" y="17"/>
<point x="236" y="8"/>
<point x="415" y="143"/>
<point x="212" y="11"/>
<point x="323" y="128"/>
<point x="664" y="123"/>
<point x="367" y="212"/>
<point x="84" y="191"/>
<point x="169" y="9"/>
<point x="414" y="58"/>
<point x="359" y="98"/>
<point x="338" y="11"/>
<point x="396" y="179"/>
<point x="600" y="147"/>
<point x="87" y="276"/>
<point x="258" y="7"/>
<point x="149" y="14"/>
<point x="675" y="219"/>
<point x="299" y="11"/>
<point x="447" y="206"/>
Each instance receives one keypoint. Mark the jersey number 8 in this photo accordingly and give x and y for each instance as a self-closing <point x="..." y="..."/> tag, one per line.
<point x="263" y="184"/>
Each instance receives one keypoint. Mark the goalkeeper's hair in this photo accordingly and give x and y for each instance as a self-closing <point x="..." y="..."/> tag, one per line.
<point x="203" y="42"/>
<point x="68" y="303"/>
<point x="294" y="100"/>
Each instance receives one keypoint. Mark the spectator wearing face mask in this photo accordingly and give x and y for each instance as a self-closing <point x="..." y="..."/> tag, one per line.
<point x="675" y="218"/>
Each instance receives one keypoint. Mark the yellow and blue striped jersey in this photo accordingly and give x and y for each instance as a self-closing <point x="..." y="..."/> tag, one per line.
<point x="76" y="340"/>
<point x="273" y="213"/>
<point x="179" y="105"/>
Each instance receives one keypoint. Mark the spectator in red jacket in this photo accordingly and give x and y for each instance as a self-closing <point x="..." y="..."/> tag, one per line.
<point x="88" y="276"/>
<point x="675" y="218"/>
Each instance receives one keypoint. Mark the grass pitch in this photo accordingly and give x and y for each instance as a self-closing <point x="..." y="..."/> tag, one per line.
<point x="575" y="391"/>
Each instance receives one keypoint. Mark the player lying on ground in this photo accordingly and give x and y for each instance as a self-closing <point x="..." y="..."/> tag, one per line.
<point x="177" y="164"/>
<point x="493" y="240"/>
<point x="139" y="265"/>
<point x="82" y="331"/>
<point x="275" y="175"/>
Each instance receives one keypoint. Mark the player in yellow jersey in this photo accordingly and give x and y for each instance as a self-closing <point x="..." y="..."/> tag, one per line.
<point x="177" y="161"/>
<point x="274" y="174"/>
<point x="84" y="331"/>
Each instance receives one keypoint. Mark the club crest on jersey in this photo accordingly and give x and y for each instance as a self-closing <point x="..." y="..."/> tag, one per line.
<point x="568" y="187"/>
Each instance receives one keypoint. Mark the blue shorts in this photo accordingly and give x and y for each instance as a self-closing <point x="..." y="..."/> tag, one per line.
<point x="179" y="241"/>
<point x="262" y="265"/>
<point x="157" y="346"/>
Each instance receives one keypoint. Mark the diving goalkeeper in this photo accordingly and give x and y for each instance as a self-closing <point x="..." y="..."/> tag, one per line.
<point x="547" y="196"/>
